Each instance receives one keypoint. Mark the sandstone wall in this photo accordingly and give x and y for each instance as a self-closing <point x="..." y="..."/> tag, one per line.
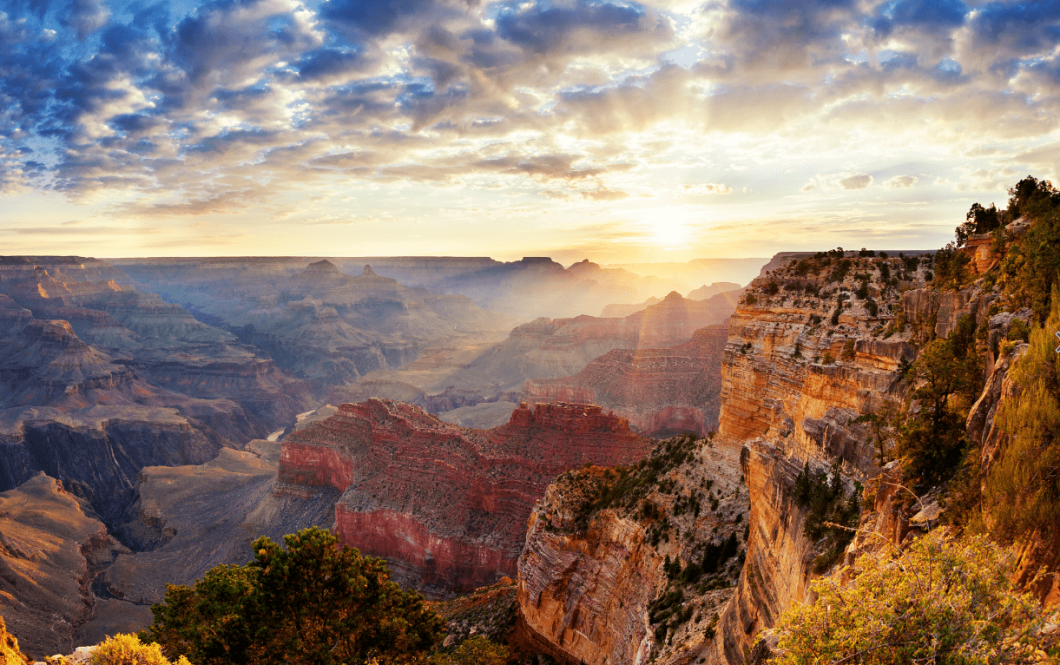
<point x="792" y="408"/>
<point x="447" y="506"/>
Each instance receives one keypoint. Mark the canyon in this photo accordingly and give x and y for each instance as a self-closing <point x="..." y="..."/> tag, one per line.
<point x="98" y="380"/>
<point x="147" y="389"/>
<point x="683" y="549"/>
<point x="543" y="349"/>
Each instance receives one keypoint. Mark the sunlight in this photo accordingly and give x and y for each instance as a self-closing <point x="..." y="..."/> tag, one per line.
<point x="669" y="227"/>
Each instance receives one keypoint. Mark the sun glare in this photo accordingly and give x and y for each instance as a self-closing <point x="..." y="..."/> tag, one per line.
<point x="669" y="228"/>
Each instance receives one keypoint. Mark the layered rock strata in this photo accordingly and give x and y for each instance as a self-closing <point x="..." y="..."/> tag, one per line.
<point x="817" y="345"/>
<point x="446" y="506"/>
<point x="798" y="375"/>
<point x="549" y="348"/>
<point x="660" y="391"/>
<point x="98" y="380"/>
<point x="314" y="320"/>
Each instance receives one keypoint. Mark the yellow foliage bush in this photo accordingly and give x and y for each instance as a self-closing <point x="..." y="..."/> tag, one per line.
<point x="128" y="650"/>
<point x="941" y="601"/>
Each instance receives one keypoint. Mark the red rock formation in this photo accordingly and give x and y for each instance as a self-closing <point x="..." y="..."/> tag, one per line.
<point x="447" y="506"/>
<point x="660" y="391"/>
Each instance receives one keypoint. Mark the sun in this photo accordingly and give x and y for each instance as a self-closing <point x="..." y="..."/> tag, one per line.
<point x="669" y="228"/>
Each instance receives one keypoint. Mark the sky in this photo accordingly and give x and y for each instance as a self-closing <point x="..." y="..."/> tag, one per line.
<point x="615" y="131"/>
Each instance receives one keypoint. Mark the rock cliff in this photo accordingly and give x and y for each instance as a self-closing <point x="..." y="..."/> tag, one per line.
<point x="816" y="347"/>
<point x="446" y="506"/>
<point x="634" y="565"/>
<point x="660" y="391"/>
<point x="10" y="654"/>
<point x="801" y="375"/>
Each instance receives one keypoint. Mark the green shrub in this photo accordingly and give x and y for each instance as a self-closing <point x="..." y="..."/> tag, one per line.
<point x="952" y="268"/>
<point x="941" y="601"/>
<point x="839" y="272"/>
<point x="1019" y="330"/>
<point x="949" y="377"/>
<point x="830" y="514"/>
<point x="312" y="603"/>
<point x="476" y="650"/>
<point x="1022" y="493"/>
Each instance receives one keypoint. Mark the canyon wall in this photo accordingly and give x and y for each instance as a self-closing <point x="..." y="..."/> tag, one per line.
<point x="446" y="506"/>
<point x="791" y="407"/>
<point x="50" y="554"/>
<point x="812" y="354"/>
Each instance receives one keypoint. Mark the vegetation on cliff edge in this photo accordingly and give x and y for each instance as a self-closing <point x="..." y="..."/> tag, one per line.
<point x="939" y="601"/>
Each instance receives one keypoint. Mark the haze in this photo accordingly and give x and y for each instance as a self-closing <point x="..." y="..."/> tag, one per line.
<point x="617" y="131"/>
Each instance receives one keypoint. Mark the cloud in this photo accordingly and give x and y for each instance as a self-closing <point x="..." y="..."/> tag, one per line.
<point x="85" y="17"/>
<point x="227" y="41"/>
<point x="329" y="65"/>
<point x="68" y="230"/>
<point x="210" y="111"/>
<point x="582" y="27"/>
<point x="901" y="182"/>
<point x="860" y="181"/>
<point x="1046" y="156"/>
<point x="705" y="190"/>
<point x="933" y="15"/>
<point x="604" y="194"/>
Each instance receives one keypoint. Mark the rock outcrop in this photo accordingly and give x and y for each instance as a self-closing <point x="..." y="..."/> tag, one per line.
<point x="795" y="386"/>
<point x="50" y="553"/>
<point x="644" y="576"/>
<point x="660" y="391"/>
<point x="446" y="506"/>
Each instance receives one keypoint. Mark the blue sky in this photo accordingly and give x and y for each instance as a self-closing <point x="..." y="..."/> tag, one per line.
<point x="662" y="130"/>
